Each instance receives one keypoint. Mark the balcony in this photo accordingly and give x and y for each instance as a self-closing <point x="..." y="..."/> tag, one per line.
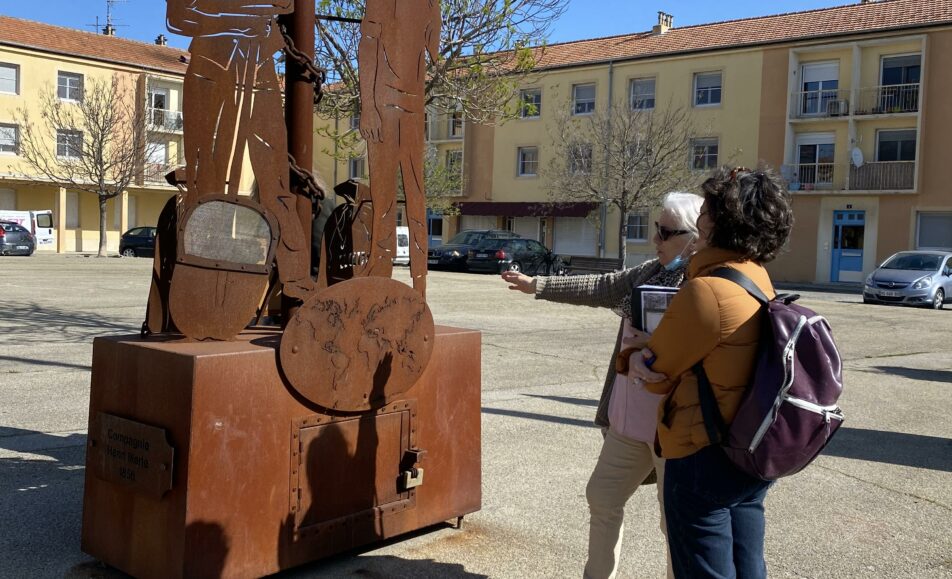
<point x="813" y="104"/>
<point x="164" y="120"/>
<point x="155" y="173"/>
<point x="877" y="100"/>
<point x="883" y="176"/>
<point x="885" y="100"/>
<point x="876" y="176"/>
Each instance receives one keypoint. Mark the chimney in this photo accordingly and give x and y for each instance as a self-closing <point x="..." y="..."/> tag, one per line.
<point x="665" y="21"/>
<point x="109" y="30"/>
<point x="161" y="40"/>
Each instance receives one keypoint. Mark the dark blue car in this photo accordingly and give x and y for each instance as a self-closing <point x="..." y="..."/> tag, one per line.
<point x="138" y="242"/>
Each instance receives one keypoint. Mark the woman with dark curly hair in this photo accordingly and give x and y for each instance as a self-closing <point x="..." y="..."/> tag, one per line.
<point x="715" y="512"/>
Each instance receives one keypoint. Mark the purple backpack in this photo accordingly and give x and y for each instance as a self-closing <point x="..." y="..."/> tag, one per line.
<point x="789" y="412"/>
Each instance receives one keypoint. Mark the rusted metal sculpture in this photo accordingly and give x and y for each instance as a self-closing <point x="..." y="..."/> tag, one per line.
<point x="395" y="37"/>
<point x="239" y="452"/>
<point x="234" y="101"/>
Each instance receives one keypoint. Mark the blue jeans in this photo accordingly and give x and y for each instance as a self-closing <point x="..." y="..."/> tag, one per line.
<point x="715" y="516"/>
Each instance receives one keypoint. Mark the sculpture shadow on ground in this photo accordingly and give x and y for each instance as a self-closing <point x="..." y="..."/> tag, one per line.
<point x="923" y="374"/>
<point x="36" y="323"/>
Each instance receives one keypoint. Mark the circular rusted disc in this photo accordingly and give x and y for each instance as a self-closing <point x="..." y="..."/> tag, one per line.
<point x="358" y="344"/>
<point x="210" y="303"/>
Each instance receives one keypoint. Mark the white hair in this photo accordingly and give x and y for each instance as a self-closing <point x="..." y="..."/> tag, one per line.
<point x="685" y="207"/>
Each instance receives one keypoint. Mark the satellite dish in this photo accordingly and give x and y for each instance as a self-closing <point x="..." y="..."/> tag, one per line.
<point x="857" y="156"/>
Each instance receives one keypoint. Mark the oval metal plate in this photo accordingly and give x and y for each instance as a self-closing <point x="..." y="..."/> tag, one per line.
<point x="358" y="344"/>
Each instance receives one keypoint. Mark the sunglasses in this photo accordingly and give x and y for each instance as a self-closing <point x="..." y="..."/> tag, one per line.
<point x="664" y="233"/>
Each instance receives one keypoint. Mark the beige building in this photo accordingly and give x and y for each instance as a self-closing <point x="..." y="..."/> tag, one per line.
<point x="850" y="103"/>
<point x="37" y="57"/>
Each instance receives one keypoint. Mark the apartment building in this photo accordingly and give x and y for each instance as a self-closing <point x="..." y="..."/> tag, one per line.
<point x="851" y="103"/>
<point x="36" y="57"/>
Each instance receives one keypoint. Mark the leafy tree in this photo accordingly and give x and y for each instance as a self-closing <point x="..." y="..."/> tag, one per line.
<point x="94" y="141"/>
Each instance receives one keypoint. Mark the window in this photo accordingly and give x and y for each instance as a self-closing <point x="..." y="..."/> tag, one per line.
<point x="355" y="122"/>
<point x="9" y="138"/>
<point x="159" y="99"/>
<point x="69" y="86"/>
<point x="8" y="199"/>
<point x="642" y="93"/>
<point x="510" y="224"/>
<point x="896" y="145"/>
<point x="707" y="89"/>
<point x="637" y="227"/>
<point x="454" y="162"/>
<point x="580" y="159"/>
<point x="436" y="225"/>
<point x="528" y="161"/>
<point x="456" y="124"/>
<point x="815" y="155"/>
<point x="583" y="99"/>
<point x="9" y="78"/>
<point x="356" y="168"/>
<point x="819" y="87"/>
<point x="72" y="210"/>
<point x="704" y="153"/>
<point x="934" y="231"/>
<point x="530" y="103"/>
<point x="901" y="69"/>
<point x="69" y="144"/>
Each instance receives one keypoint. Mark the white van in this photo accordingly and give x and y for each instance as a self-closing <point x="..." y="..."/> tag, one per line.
<point x="40" y="224"/>
<point x="403" y="246"/>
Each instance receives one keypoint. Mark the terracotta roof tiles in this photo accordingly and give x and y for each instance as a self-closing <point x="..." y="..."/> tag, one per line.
<point x="825" y="22"/>
<point x="72" y="42"/>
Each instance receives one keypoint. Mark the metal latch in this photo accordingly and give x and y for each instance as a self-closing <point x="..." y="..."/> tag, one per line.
<point x="411" y="474"/>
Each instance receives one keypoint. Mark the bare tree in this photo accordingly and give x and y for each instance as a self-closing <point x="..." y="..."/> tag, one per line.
<point x="93" y="140"/>
<point x="484" y="54"/>
<point x="625" y="157"/>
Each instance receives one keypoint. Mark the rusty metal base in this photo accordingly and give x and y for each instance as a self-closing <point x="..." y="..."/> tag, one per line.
<point x="261" y="480"/>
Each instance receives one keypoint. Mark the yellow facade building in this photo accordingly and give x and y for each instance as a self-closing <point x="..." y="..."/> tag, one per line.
<point x="36" y="57"/>
<point x="850" y="103"/>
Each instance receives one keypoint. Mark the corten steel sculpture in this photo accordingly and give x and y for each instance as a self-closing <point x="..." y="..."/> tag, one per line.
<point x="233" y="104"/>
<point x="395" y="37"/>
<point x="260" y="449"/>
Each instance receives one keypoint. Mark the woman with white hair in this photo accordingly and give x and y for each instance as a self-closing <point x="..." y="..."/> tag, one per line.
<point x="627" y="413"/>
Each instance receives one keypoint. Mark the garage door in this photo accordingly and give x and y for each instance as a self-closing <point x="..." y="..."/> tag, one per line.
<point x="477" y="222"/>
<point x="527" y="227"/>
<point x="575" y="236"/>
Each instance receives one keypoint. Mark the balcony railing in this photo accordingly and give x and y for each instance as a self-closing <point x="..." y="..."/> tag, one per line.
<point x="165" y="120"/>
<point x="883" y="176"/>
<point x="891" y="99"/>
<point x="876" y="176"/>
<point x="877" y="100"/>
<point x="820" y="103"/>
<point x="811" y="176"/>
<point x="155" y="172"/>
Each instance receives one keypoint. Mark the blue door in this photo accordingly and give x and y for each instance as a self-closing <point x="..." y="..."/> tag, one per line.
<point x="849" y="228"/>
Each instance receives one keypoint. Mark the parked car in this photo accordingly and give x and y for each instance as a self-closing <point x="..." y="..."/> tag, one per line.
<point x="453" y="255"/>
<point x="16" y="239"/>
<point x="138" y="242"/>
<point x="526" y="255"/>
<point x="912" y="278"/>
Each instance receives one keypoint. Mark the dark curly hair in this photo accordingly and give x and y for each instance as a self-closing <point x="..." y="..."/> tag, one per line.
<point x="750" y="211"/>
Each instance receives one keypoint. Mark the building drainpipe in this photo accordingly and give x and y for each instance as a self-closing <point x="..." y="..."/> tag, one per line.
<point x="603" y="210"/>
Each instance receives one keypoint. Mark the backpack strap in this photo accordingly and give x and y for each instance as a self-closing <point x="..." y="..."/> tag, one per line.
<point x="742" y="280"/>
<point x="713" y="421"/>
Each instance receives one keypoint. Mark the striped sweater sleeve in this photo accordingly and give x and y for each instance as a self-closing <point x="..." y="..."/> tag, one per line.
<point x="598" y="290"/>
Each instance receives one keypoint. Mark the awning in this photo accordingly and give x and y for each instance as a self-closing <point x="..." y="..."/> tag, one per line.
<point x="526" y="209"/>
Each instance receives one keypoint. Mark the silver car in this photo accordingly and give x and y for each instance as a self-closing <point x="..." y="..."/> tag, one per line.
<point x="912" y="278"/>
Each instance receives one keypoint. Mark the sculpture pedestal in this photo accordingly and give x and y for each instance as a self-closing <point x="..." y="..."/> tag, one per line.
<point x="203" y="463"/>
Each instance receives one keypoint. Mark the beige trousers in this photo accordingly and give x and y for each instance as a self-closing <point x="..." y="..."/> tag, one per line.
<point x="622" y="465"/>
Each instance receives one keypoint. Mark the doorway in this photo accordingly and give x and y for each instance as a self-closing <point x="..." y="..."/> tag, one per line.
<point x="849" y="229"/>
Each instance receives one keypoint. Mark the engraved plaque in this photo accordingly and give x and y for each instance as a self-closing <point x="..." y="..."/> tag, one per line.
<point x="130" y="454"/>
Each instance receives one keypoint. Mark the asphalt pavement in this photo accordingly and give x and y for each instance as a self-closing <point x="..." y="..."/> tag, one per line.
<point x="877" y="504"/>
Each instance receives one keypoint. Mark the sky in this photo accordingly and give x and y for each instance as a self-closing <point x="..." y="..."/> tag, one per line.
<point x="145" y="19"/>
